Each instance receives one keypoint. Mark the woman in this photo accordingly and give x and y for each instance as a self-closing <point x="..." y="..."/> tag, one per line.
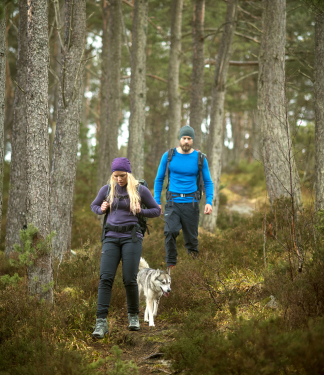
<point x="123" y="239"/>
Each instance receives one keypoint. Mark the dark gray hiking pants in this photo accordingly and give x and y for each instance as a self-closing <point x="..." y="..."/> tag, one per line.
<point x="180" y="216"/>
<point x="114" y="250"/>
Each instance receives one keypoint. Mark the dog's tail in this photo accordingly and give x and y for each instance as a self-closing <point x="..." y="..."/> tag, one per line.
<point x="143" y="264"/>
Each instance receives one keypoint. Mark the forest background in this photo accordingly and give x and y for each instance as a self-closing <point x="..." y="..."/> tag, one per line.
<point x="257" y="249"/>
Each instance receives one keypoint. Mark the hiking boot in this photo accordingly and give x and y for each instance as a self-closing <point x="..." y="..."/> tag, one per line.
<point x="133" y="321"/>
<point x="194" y="255"/>
<point x="101" y="328"/>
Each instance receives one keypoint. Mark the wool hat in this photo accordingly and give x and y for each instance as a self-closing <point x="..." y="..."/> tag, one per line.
<point x="187" y="131"/>
<point x="121" y="164"/>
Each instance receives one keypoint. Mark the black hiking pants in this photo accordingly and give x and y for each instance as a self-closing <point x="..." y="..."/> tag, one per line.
<point x="180" y="216"/>
<point x="114" y="250"/>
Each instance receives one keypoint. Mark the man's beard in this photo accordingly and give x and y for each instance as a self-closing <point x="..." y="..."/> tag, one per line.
<point x="185" y="147"/>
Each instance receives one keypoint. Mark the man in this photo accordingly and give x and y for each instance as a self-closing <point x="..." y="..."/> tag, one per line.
<point x="182" y="208"/>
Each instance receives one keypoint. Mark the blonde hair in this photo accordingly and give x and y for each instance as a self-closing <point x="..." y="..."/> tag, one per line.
<point x="131" y="187"/>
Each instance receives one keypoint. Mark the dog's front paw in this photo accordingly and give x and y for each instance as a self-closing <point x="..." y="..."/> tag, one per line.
<point x="151" y="324"/>
<point x="146" y="320"/>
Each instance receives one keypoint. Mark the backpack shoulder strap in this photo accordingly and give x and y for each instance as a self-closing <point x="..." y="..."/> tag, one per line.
<point x="200" y="180"/>
<point x="108" y="191"/>
<point x="201" y="158"/>
<point x="171" y="153"/>
<point x="106" y="215"/>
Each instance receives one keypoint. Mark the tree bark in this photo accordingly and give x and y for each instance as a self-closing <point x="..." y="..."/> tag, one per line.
<point x="174" y="115"/>
<point x="9" y="102"/>
<point x="2" y="100"/>
<point x="135" y="150"/>
<point x="279" y="164"/>
<point x="103" y="168"/>
<point x="215" y="139"/>
<point x="67" y="126"/>
<point x="114" y="61"/>
<point x="17" y="204"/>
<point x="40" y="274"/>
<point x="198" y="65"/>
<point x="54" y="94"/>
<point x="319" y="111"/>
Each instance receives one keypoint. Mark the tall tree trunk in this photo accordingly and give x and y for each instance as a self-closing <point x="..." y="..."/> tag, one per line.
<point x="103" y="168"/>
<point x="9" y="101"/>
<point x="2" y="100"/>
<point x="40" y="274"/>
<point x="68" y="125"/>
<point x="255" y="137"/>
<point x="319" y="111"/>
<point x="55" y="94"/>
<point x="174" y="116"/>
<point x="83" y="134"/>
<point x="135" y="150"/>
<point x="238" y="136"/>
<point x="198" y="65"/>
<point x="17" y="204"/>
<point x="114" y="61"/>
<point x="279" y="164"/>
<point x="215" y="146"/>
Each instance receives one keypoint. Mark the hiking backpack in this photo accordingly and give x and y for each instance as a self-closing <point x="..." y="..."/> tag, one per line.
<point x="142" y="220"/>
<point x="200" y="180"/>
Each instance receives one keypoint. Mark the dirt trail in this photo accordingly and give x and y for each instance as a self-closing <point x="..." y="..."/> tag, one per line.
<point x="239" y="201"/>
<point x="143" y="347"/>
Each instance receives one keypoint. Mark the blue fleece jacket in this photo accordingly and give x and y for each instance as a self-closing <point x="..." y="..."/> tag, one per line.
<point x="183" y="177"/>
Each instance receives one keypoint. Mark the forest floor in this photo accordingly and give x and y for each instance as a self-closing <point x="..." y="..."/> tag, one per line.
<point x="225" y="298"/>
<point x="239" y="201"/>
<point x="144" y="347"/>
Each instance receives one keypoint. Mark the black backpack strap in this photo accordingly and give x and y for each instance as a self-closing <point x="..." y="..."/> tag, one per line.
<point x="171" y="153"/>
<point x="106" y="216"/>
<point x="200" y="180"/>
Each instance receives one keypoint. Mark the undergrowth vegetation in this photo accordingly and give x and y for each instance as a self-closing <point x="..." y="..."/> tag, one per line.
<point x="242" y="307"/>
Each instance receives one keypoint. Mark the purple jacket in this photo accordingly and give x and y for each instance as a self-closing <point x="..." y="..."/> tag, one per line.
<point x="120" y="214"/>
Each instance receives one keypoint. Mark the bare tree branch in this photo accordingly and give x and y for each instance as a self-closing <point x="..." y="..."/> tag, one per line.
<point x="247" y="37"/>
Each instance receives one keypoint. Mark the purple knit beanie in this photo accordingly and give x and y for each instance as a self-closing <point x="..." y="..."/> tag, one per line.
<point x="121" y="164"/>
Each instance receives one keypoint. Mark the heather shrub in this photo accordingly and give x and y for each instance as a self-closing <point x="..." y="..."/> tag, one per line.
<point x="29" y="344"/>
<point x="250" y="347"/>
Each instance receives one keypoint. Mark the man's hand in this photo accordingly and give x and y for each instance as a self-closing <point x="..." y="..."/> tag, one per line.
<point x="208" y="209"/>
<point x="161" y="209"/>
<point x="104" y="206"/>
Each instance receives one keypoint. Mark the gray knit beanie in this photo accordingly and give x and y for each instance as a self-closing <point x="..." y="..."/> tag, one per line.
<point x="187" y="131"/>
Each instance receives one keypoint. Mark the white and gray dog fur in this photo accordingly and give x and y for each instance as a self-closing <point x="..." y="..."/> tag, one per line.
<point x="153" y="283"/>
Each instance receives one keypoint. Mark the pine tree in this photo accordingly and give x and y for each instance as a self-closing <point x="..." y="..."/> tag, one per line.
<point x="17" y="204"/>
<point x="68" y="125"/>
<point x="135" y="150"/>
<point x="102" y="133"/>
<point x="174" y="116"/>
<point x="282" y="179"/>
<point x="2" y="100"/>
<point x="40" y="274"/>
<point x="198" y="66"/>
<point x="215" y="140"/>
<point x="114" y="60"/>
<point x="319" y="109"/>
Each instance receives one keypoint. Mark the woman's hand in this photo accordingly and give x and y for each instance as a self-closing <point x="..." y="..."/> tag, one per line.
<point x="104" y="206"/>
<point x="138" y="207"/>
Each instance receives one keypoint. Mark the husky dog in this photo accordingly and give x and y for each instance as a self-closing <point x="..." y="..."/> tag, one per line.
<point x="153" y="283"/>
